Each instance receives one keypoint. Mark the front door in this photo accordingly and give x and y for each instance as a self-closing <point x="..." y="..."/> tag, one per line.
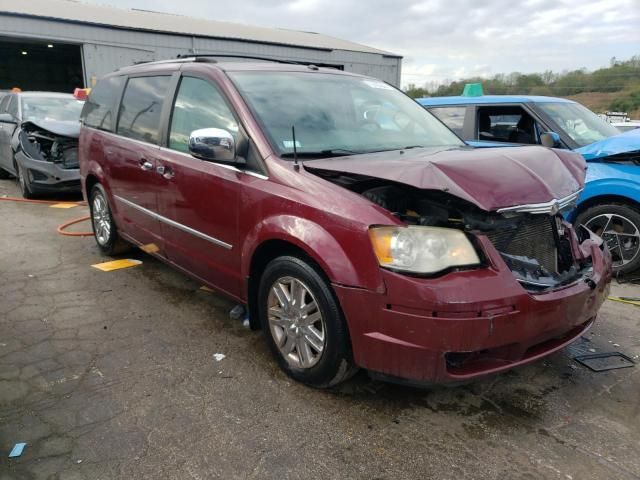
<point x="132" y="156"/>
<point x="199" y="200"/>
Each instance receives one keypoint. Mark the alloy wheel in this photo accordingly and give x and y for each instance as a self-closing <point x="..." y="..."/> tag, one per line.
<point x="620" y="235"/>
<point x="296" y="322"/>
<point x="101" y="218"/>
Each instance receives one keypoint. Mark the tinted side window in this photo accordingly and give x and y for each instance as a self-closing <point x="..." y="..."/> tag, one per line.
<point x="198" y="105"/>
<point x="98" y="109"/>
<point x="452" y="117"/>
<point x="506" y="124"/>
<point x="139" y="116"/>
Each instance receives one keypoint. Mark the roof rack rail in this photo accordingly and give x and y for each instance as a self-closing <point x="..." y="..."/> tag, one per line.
<point x="155" y="62"/>
<point x="211" y="57"/>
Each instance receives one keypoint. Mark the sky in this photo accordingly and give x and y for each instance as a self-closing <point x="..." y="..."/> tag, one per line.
<point x="447" y="39"/>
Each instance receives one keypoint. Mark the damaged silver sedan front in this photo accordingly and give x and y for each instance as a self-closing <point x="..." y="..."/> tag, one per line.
<point x="39" y="141"/>
<point x="47" y="157"/>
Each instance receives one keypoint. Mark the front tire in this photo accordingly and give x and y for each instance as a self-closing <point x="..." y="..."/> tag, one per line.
<point x="619" y="226"/>
<point x="23" y="182"/>
<point x="304" y="324"/>
<point x="104" y="227"/>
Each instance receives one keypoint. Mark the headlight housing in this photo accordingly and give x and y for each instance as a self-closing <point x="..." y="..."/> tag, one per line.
<point x="422" y="250"/>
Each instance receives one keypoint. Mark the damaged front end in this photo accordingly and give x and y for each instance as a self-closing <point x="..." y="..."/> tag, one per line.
<point x="540" y="248"/>
<point x="48" y="154"/>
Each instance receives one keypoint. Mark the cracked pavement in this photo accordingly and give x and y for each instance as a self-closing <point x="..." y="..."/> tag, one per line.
<point x="112" y="376"/>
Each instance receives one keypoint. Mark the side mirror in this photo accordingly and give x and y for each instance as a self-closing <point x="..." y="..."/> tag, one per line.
<point x="212" y="144"/>
<point x="7" y="118"/>
<point x="550" y="140"/>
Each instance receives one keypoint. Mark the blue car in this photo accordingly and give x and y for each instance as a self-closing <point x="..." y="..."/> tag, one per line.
<point x="610" y="202"/>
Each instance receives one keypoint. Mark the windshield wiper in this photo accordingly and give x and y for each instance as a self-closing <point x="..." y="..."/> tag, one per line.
<point x="396" y="149"/>
<point x="328" y="153"/>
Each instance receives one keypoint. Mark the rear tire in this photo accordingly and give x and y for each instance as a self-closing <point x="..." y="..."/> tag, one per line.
<point x="104" y="227"/>
<point x="4" y="174"/>
<point x="304" y="324"/>
<point x="622" y="234"/>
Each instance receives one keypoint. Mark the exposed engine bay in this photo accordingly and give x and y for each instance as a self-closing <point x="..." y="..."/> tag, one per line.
<point x="41" y="144"/>
<point x="536" y="247"/>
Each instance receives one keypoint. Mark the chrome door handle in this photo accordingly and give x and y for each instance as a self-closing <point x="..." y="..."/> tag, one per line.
<point x="146" y="165"/>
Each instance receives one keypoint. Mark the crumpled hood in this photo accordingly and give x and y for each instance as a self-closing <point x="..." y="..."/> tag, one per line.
<point x="624" y="143"/>
<point x="69" y="129"/>
<point x="491" y="178"/>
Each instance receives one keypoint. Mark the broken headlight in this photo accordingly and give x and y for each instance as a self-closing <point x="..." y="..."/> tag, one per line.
<point x="422" y="250"/>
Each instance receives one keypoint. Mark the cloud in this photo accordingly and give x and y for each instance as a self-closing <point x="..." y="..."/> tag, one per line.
<point x="446" y="39"/>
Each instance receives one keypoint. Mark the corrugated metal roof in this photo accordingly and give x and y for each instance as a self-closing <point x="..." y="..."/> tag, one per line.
<point x="74" y="11"/>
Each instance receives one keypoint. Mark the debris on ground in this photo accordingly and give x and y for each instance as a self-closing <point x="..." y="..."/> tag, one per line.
<point x="63" y="205"/>
<point x="601" y="362"/>
<point x="204" y="288"/>
<point x="17" y="450"/>
<point x="150" y="248"/>
<point x="622" y="280"/>
<point x="237" y="312"/>
<point x="219" y="356"/>
<point x="117" y="264"/>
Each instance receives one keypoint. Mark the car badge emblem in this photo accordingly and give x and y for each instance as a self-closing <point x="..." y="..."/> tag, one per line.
<point x="555" y="208"/>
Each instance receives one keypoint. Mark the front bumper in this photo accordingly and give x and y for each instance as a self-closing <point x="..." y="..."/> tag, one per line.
<point x="468" y="324"/>
<point x="48" y="177"/>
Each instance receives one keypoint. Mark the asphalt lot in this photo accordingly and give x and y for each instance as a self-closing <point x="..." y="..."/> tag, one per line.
<point x="112" y="375"/>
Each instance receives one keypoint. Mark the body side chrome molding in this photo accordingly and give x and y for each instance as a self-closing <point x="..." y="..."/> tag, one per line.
<point x="551" y="207"/>
<point x="174" y="224"/>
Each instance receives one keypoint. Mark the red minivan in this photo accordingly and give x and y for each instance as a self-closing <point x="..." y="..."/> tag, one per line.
<point x="358" y="230"/>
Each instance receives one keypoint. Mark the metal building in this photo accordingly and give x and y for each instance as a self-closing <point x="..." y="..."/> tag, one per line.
<point x="61" y="44"/>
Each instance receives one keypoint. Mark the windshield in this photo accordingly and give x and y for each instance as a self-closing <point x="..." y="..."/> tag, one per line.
<point x="581" y="124"/>
<point x="338" y="114"/>
<point x="51" y="108"/>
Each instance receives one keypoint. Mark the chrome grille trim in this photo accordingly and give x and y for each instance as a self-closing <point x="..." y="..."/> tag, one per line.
<point x="552" y="207"/>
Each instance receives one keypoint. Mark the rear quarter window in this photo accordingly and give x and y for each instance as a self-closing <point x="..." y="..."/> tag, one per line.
<point x="452" y="117"/>
<point x="98" y="111"/>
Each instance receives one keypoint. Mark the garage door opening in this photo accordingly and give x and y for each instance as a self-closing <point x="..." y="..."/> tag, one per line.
<point x="45" y="66"/>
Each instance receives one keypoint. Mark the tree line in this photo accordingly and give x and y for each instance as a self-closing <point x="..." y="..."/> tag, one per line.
<point x="622" y="76"/>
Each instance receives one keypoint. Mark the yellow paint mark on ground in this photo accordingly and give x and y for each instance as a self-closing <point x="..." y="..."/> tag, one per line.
<point x="63" y="205"/>
<point x="116" y="264"/>
<point x="150" y="248"/>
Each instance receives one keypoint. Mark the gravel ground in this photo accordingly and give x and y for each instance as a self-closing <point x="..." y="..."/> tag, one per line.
<point x="113" y="375"/>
